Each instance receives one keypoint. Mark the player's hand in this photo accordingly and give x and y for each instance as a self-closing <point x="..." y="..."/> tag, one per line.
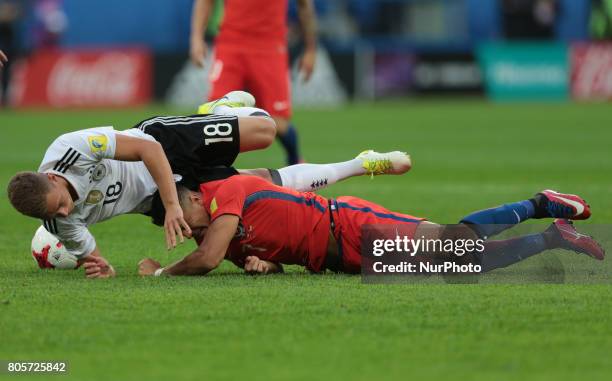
<point x="198" y="51"/>
<point x="3" y="58"/>
<point x="148" y="266"/>
<point x="307" y="64"/>
<point x="175" y="225"/>
<point x="98" y="267"/>
<point x="253" y="265"/>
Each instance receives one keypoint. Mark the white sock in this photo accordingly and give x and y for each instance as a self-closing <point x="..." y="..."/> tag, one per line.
<point x="240" y="111"/>
<point x="310" y="177"/>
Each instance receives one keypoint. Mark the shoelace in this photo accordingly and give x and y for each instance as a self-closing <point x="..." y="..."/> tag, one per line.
<point x="378" y="167"/>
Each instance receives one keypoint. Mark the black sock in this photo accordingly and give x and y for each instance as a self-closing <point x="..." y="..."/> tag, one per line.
<point x="540" y="202"/>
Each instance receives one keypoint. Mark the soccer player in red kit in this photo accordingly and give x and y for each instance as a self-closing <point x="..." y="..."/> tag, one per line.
<point x="260" y="226"/>
<point x="251" y="54"/>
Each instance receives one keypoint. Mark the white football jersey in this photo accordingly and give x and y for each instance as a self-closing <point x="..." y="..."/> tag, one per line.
<point x="105" y="187"/>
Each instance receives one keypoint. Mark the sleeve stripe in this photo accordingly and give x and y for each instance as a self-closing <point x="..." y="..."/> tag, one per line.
<point x="61" y="161"/>
<point x="50" y="226"/>
<point x="71" y="163"/>
<point x="68" y="162"/>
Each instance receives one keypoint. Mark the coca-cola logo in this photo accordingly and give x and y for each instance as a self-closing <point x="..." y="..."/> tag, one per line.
<point x="592" y="71"/>
<point x="108" y="79"/>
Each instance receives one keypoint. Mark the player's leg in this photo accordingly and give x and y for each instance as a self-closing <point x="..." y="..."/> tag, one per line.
<point x="560" y="235"/>
<point x="546" y="204"/>
<point x="257" y="129"/>
<point x="310" y="177"/>
<point x="256" y="132"/>
<point x="268" y="78"/>
<point x="503" y="253"/>
<point x="497" y="253"/>
<point x="350" y="214"/>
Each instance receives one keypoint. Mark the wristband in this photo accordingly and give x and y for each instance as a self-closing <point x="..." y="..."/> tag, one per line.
<point x="158" y="272"/>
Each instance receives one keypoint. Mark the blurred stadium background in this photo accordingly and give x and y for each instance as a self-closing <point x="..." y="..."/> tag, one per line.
<point x="82" y="63"/>
<point x="123" y="53"/>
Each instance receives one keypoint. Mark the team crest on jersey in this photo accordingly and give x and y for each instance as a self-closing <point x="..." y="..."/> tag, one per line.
<point x="94" y="197"/>
<point x="213" y="205"/>
<point x="98" y="143"/>
<point x="98" y="172"/>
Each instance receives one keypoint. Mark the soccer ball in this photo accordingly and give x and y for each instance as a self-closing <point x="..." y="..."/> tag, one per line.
<point x="50" y="253"/>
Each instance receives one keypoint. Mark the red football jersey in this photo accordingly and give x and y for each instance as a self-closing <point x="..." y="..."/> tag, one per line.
<point x="254" y="25"/>
<point x="276" y="224"/>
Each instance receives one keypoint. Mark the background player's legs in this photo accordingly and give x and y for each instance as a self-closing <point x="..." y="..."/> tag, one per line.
<point x="268" y="79"/>
<point x="227" y="74"/>
<point x="288" y="137"/>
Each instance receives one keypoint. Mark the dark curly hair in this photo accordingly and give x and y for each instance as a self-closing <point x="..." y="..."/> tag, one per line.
<point x="158" y="212"/>
<point x="191" y="181"/>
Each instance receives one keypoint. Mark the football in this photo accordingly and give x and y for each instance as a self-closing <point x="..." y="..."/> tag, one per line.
<point x="50" y="253"/>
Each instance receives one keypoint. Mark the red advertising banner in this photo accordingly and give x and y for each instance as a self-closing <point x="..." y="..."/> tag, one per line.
<point x="89" y="78"/>
<point x="592" y="71"/>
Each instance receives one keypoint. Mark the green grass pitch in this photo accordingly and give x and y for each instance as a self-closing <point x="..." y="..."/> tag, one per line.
<point x="227" y="326"/>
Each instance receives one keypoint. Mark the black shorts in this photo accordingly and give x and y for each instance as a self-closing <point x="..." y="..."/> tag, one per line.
<point x="199" y="147"/>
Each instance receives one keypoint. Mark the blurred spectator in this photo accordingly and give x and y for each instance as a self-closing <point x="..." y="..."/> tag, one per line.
<point x="529" y="19"/>
<point x="9" y="14"/>
<point x="601" y="19"/>
<point x="49" y="23"/>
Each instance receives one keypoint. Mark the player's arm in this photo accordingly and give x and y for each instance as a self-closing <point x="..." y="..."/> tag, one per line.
<point x="79" y="241"/>
<point x="96" y="266"/>
<point x="199" y="21"/>
<point x="254" y="266"/>
<point x="207" y="257"/>
<point x="3" y="58"/>
<point x="96" y="144"/>
<point x="152" y="155"/>
<point x="308" y="24"/>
